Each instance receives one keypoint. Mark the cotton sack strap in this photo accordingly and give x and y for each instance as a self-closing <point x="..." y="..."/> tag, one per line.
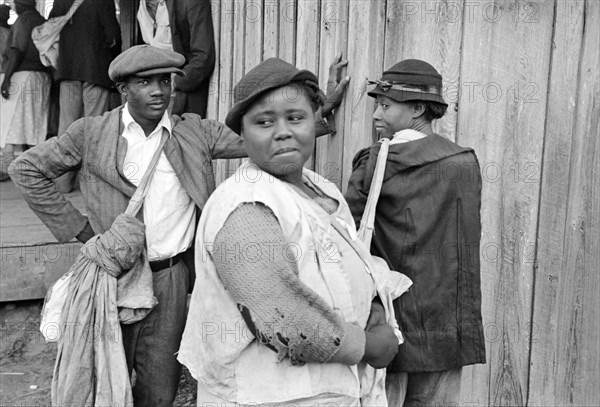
<point x="73" y="8"/>
<point x="136" y="201"/>
<point x="365" y="232"/>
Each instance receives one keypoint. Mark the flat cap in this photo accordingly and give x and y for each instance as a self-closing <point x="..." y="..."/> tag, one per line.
<point x="411" y="79"/>
<point x="145" y="60"/>
<point x="270" y="74"/>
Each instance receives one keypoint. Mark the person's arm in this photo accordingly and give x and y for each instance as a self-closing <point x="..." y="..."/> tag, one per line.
<point x="15" y="57"/>
<point x="108" y="21"/>
<point x="33" y="173"/>
<point x="358" y="186"/>
<point x="281" y="311"/>
<point x="202" y="46"/>
<point x="18" y="40"/>
<point x="336" y="89"/>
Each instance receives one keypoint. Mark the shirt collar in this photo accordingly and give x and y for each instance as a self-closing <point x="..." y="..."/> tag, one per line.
<point x="165" y="121"/>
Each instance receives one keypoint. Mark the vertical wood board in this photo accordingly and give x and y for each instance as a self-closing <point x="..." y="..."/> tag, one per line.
<point x="334" y="36"/>
<point x="508" y="56"/>
<point x="365" y="50"/>
<point x="565" y="357"/>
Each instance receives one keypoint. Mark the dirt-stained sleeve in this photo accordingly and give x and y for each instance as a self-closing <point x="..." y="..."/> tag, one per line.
<point x="281" y="311"/>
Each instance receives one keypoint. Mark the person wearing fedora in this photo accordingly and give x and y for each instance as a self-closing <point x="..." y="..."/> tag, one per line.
<point x="427" y="226"/>
<point x="113" y="152"/>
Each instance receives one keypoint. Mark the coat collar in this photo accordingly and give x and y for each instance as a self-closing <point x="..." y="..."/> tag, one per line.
<point x="410" y="154"/>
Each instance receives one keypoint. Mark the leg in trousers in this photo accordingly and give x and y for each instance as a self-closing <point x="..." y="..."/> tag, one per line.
<point x="78" y="99"/>
<point x="395" y="388"/>
<point x="439" y="389"/>
<point x="71" y="109"/>
<point x="150" y="345"/>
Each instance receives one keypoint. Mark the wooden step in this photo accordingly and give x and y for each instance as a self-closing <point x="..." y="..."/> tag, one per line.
<point x="30" y="257"/>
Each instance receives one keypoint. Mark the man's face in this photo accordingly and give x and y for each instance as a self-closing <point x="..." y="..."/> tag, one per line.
<point x="147" y="96"/>
<point x="391" y="116"/>
<point x="279" y="132"/>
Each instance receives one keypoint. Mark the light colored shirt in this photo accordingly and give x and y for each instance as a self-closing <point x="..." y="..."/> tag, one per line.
<point x="169" y="212"/>
<point x="404" y="136"/>
<point x="153" y="18"/>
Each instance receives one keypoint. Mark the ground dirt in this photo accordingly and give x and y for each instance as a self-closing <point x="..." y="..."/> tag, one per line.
<point x="27" y="361"/>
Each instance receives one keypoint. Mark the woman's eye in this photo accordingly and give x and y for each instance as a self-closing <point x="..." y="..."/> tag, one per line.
<point x="264" y="122"/>
<point x="296" y="118"/>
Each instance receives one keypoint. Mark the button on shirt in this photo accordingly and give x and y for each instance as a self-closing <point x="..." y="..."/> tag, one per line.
<point x="169" y="212"/>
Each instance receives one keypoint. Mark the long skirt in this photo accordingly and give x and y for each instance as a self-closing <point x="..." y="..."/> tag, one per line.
<point x="24" y="115"/>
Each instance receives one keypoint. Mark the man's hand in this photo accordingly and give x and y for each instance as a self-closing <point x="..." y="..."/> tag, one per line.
<point x="86" y="234"/>
<point x="336" y="86"/>
<point x="179" y="103"/>
<point x="4" y="89"/>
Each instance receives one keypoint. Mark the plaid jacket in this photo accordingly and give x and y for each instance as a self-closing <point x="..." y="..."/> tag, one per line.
<point x="94" y="145"/>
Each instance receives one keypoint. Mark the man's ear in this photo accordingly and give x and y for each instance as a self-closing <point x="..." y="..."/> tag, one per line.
<point x="122" y="88"/>
<point x="418" y="109"/>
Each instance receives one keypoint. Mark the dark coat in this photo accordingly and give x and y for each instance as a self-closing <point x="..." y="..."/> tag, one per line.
<point x="428" y="227"/>
<point x="193" y="37"/>
<point x="88" y="42"/>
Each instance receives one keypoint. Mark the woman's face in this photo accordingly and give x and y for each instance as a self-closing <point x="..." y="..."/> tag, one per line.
<point x="390" y="117"/>
<point x="279" y="132"/>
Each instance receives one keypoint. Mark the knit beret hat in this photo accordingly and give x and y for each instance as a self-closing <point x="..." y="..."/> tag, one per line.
<point x="411" y="79"/>
<point x="270" y="74"/>
<point x="145" y="60"/>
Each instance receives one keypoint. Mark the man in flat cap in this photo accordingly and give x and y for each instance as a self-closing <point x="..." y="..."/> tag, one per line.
<point x="113" y="152"/>
<point x="427" y="226"/>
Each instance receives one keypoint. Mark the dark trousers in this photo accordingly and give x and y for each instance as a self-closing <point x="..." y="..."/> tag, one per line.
<point x="150" y="345"/>
<point x="427" y="389"/>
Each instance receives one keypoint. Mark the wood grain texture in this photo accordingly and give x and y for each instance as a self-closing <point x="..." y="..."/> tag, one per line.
<point x="271" y="16"/>
<point x="334" y="39"/>
<point x="212" y="109"/>
<point x="366" y="22"/>
<point x="241" y="51"/>
<point x="504" y="57"/>
<point x="565" y="355"/>
<point x="287" y="30"/>
<point x="224" y="94"/>
<point x="430" y="30"/>
<point x="308" y="17"/>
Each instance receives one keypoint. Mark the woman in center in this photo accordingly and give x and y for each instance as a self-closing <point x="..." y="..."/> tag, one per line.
<point x="285" y="309"/>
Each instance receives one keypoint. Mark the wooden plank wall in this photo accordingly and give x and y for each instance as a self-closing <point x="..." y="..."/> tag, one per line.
<point x="521" y="77"/>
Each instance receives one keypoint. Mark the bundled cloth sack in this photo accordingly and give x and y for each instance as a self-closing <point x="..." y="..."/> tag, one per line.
<point x="91" y="368"/>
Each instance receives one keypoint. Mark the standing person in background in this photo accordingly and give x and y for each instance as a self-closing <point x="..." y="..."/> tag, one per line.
<point x="4" y="30"/>
<point x="88" y="43"/>
<point x="193" y="37"/>
<point x="428" y="227"/>
<point x="25" y="87"/>
<point x="183" y="26"/>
